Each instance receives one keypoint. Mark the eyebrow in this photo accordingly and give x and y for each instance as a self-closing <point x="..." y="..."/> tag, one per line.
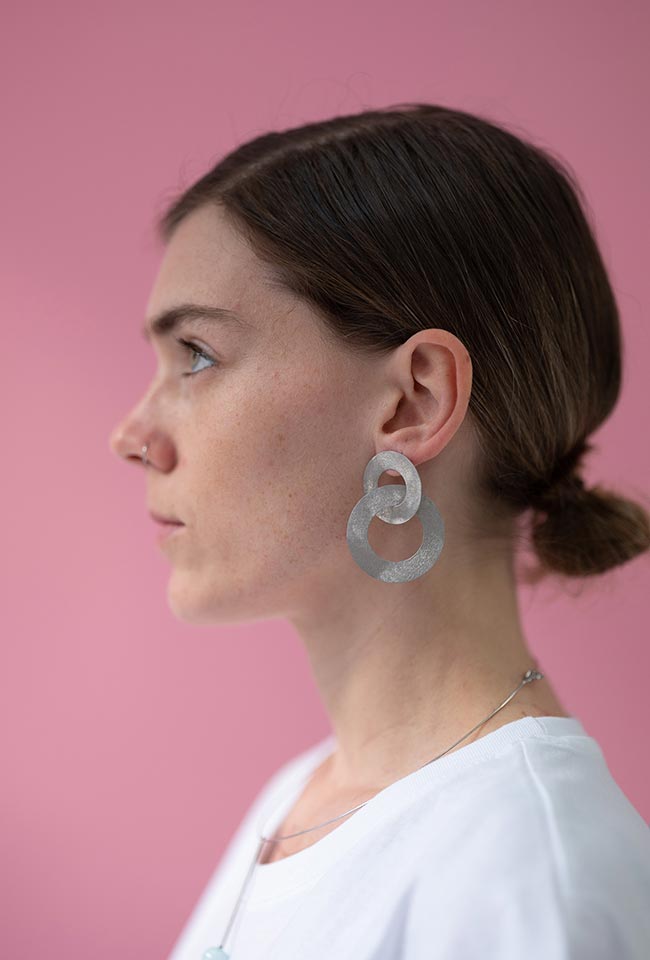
<point x="164" y="324"/>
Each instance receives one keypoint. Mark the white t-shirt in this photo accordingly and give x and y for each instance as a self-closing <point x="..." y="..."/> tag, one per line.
<point x="517" y="845"/>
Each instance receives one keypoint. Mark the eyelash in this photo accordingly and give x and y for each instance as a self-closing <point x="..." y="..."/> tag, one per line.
<point x="193" y="348"/>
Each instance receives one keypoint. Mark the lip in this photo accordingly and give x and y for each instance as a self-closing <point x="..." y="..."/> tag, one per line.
<point x="166" y="531"/>
<point x="159" y="518"/>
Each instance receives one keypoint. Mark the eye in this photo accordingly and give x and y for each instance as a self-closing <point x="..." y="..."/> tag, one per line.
<point x="193" y="348"/>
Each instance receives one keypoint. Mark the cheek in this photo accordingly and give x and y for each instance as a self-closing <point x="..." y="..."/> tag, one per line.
<point x="277" y="470"/>
<point x="277" y="425"/>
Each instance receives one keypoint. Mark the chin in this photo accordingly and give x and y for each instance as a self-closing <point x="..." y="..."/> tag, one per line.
<point x="187" y="612"/>
<point x="194" y="608"/>
<point x="186" y="607"/>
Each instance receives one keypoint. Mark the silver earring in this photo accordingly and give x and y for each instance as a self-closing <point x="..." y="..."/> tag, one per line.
<point x="394" y="503"/>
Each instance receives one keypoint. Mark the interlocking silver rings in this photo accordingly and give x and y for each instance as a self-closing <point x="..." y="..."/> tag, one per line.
<point x="394" y="503"/>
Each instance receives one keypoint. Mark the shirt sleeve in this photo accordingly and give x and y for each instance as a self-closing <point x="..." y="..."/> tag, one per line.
<point x="599" y="931"/>
<point x="497" y="924"/>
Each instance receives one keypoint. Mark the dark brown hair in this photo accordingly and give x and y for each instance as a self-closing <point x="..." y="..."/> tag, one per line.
<point x="403" y="218"/>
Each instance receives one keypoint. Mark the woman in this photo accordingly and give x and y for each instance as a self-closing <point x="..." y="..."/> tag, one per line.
<point x="391" y="316"/>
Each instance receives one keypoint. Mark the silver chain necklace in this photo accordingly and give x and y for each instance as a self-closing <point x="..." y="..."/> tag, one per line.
<point x="219" y="953"/>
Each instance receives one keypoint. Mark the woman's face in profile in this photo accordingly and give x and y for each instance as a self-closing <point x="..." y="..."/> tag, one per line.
<point x="257" y="440"/>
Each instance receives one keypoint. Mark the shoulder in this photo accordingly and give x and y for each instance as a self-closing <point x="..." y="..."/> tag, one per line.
<point x="543" y="856"/>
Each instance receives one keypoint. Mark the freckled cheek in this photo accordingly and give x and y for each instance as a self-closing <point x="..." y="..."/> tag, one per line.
<point x="282" y="423"/>
<point x="275" y="474"/>
<point x="272" y="444"/>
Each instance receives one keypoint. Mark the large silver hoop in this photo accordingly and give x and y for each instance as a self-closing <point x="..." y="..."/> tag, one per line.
<point x="394" y="503"/>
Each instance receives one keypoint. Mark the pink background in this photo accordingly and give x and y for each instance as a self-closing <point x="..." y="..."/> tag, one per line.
<point x="131" y="742"/>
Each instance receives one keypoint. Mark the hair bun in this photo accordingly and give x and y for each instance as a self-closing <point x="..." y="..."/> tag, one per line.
<point x="556" y="496"/>
<point x="582" y="531"/>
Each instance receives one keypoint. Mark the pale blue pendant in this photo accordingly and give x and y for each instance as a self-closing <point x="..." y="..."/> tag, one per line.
<point x="215" y="953"/>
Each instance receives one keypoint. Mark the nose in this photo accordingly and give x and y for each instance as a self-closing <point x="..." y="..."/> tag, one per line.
<point x="126" y="441"/>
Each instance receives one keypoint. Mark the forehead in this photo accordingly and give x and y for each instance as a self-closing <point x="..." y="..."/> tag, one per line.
<point x="209" y="261"/>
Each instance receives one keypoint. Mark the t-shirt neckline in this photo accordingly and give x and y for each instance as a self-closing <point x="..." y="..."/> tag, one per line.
<point x="275" y="880"/>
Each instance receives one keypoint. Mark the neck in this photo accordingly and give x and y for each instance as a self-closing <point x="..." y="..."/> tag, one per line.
<point x="405" y="670"/>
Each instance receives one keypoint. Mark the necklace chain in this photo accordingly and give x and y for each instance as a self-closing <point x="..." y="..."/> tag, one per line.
<point x="528" y="677"/>
<point x="217" y="953"/>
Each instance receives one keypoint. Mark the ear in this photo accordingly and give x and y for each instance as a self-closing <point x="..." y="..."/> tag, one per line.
<point x="428" y="386"/>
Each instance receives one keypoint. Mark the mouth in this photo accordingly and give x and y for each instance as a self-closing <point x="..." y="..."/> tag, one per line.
<point x="167" y="531"/>
<point x="167" y="526"/>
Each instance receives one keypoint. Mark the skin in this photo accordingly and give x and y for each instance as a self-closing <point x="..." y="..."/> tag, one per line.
<point x="262" y="456"/>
